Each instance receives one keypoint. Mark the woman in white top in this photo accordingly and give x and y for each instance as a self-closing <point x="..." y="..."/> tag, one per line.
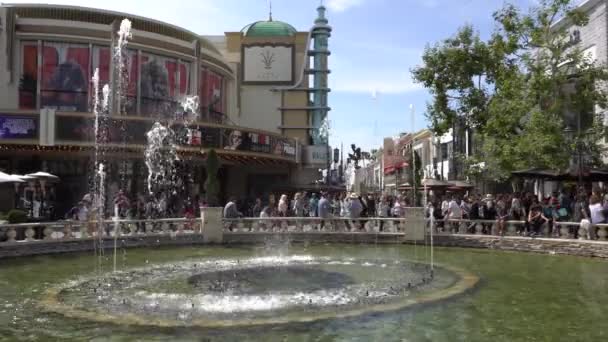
<point x="597" y="214"/>
<point x="283" y="206"/>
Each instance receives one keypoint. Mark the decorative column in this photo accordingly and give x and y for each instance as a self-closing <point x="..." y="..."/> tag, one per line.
<point x="320" y="34"/>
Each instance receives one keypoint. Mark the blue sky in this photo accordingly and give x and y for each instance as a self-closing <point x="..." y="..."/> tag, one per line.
<point x="374" y="45"/>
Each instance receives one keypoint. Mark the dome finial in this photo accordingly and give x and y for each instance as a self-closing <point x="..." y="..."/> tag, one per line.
<point x="269" y="10"/>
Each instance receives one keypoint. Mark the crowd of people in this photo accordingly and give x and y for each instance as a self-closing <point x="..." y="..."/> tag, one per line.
<point x="143" y="207"/>
<point x="564" y="206"/>
<point x="561" y="206"/>
<point x="322" y="205"/>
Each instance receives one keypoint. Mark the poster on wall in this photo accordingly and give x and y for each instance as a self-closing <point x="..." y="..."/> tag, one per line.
<point x="101" y="60"/>
<point x="268" y="64"/>
<point x="284" y="147"/>
<point x="28" y="82"/>
<point x="65" y="79"/>
<point x="18" y="127"/>
<point x="158" y="76"/>
<point x="236" y="140"/>
<point x="214" y="96"/>
<point x="260" y="142"/>
<point x="184" y="79"/>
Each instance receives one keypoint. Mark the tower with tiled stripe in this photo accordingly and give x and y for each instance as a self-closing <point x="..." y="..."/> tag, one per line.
<point x="320" y="71"/>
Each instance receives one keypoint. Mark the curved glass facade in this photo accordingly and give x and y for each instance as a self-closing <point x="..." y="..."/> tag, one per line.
<point x="155" y="84"/>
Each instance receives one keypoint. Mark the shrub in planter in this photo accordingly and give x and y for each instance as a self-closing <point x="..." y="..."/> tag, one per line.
<point x="16" y="216"/>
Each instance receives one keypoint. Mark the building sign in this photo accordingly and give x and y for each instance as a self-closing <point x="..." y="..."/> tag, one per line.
<point x="18" y="127"/>
<point x="284" y="147"/>
<point x="315" y="155"/>
<point x="268" y="64"/>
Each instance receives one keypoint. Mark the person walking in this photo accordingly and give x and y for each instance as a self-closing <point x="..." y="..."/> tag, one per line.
<point x="313" y="206"/>
<point x="324" y="209"/>
<point x="454" y="213"/>
<point x="283" y="206"/>
<point x="382" y="211"/>
<point x="298" y="205"/>
<point x="597" y="212"/>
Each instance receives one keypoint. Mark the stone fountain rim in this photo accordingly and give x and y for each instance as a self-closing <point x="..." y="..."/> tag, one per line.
<point x="466" y="282"/>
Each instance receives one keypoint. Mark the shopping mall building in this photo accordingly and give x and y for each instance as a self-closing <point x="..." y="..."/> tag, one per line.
<point x="263" y="99"/>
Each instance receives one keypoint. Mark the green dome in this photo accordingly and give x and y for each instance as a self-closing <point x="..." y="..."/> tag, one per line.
<point x="269" y="28"/>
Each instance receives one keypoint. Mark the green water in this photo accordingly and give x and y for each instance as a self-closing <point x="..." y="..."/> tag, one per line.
<point x="521" y="297"/>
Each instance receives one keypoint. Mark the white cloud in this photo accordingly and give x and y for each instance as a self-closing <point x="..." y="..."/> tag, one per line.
<point x="343" y="5"/>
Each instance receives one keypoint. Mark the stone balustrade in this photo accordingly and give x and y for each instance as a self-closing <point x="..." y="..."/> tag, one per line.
<point x="75" y="236"/>
<point x="79" y="230"/>
<point x="412" y="228"/>
<point x="561" y="230"/>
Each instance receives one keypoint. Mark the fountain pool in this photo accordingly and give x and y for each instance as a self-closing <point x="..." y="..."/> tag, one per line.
<point x="317" y="292"/>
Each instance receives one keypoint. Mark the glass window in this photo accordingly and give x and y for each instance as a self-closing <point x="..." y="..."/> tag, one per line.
<point x="28" y="82"/>
<point x="65" y="79"/>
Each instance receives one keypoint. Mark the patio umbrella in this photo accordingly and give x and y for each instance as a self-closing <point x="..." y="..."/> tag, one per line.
<point x="435" y="183"/>
<point x="44" y="175"/>
<point x="538" y="173"/>
<point x="460" y="184"/>
<point x="26" y="178"/>
<point x="6" y="178"/>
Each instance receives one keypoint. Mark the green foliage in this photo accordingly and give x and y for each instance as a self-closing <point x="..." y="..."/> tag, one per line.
<point x="16" y="216"/>
<point x="519" y="90"/>
<point x="212" y="185"/>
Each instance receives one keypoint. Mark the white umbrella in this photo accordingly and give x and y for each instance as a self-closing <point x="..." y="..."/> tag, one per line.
<point x="6" y="178"/>
<point x="26" y="178"/>
<point x="44" y="175"/>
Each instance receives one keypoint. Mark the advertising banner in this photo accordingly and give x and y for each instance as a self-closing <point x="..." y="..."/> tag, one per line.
<point x="65" y="79"/>
<point x="213" y="96"/>
<point x="18" y="127"/>
<point x="158" y="76"/>
<point x="260" y="143"/>
<point x="284" y="147"/>
<point x="28" y="83"/>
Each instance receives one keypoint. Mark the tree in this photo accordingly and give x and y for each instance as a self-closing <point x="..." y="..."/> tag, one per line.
<point x="212" y="185"/>
<point x="455" y="73"/>
<point x="519" y="89"/>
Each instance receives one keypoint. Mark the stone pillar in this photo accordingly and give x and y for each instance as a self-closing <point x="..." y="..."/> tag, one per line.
<point x="211" y="225"/>
<point x="414" y="224"/>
